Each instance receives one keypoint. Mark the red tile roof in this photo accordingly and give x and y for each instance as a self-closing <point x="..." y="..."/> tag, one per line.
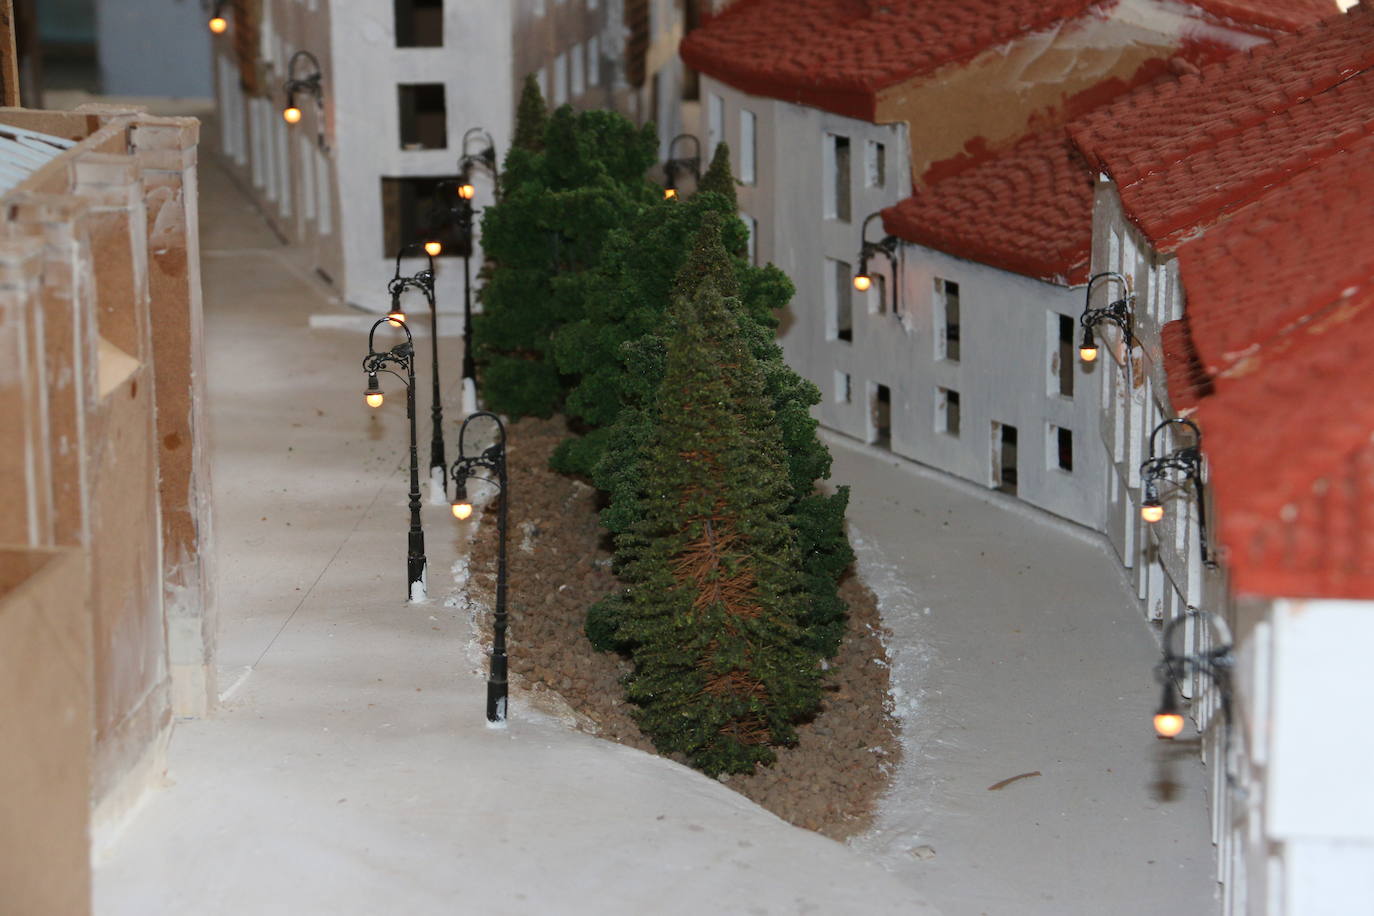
<point x="836" y="54"/>
<point x="1163" y="125"/>
<point x="1273" y="265"/>
<point x="1027" y="210"/>
<point x="1285" y="15"/>
<point x="1291" y="462"/>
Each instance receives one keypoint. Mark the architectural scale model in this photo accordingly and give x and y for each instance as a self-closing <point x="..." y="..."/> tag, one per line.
<point x="1113" y="259"/>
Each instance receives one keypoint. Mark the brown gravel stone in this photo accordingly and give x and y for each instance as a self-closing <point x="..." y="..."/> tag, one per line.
<point x="829" y="782"/>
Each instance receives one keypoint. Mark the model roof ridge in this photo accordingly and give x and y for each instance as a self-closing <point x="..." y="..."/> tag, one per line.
<point x="1308" y="133"/>
<point x="1035" y="227"/>
<point x="769" y="47"/>
<point x="1270" y="239"/>
<point x="1323" y="55"/>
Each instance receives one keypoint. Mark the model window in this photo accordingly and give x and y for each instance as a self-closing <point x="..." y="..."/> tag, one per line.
<point x="419" y="23"/>
<point x="406" y="210"/>
<point x="841" y="303"/>
<point x="424" y="121"/>
<point x="947" y="412"/>
<point x="1061" y="448"/>
<point x="594" y="61"/>
<point x="837" y="178"/>
<point x="748" y="151"/>
<point x="875" y="165"/>
<point x="1004" y="458"/>
<point x="716" y="125"/>
<point x="844" y="391"/>
<point x="579" y="57"/>
<point x="1064" y="355"/>
<point x="947" y="315"/>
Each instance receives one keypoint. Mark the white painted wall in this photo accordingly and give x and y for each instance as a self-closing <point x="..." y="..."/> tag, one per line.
<point x="474" y="64"/>
<point x="1006" y="371"/>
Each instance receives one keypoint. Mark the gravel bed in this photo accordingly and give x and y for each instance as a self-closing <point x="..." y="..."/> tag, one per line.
<point x="559" y="564"/>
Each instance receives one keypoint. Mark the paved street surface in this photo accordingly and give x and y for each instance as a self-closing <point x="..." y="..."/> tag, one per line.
<point x="350" y="769"/>
<point x="1018" y="648"/>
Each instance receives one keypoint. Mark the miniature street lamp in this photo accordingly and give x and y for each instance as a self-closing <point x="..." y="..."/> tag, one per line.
<point x="1117" y="313"/>
<point x="401" y="356"/>
<point x="1188" y="461"/>
<point x="218" y="24"/>
<point x="492" y="461"/>
<point x="423" y="280"/>
<point x="310" y="83"/>
<point x="887" y="247"/>
<point x="1214" y="664"/>
<point x="676" y="165"/>
<point x="457" y="212"/>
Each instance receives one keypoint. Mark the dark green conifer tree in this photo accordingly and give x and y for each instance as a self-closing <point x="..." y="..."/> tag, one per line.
<point x="558" y="205"/>
<point x="714" y="595"/>
<point x="719" y="178"/>
<point x="531" y="117"/>
<point x="620" y="341"/>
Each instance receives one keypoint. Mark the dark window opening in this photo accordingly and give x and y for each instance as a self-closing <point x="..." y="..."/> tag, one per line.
<point x="881" y="408"/>
<point x="950" y="290"/>
<point x="877" y="165"/>
<point x="844" y="302"/>
<point x="841" y="178"/>
<point x="1004" y="457"/>
<point x="411" y="214"/>
<point x="949" y="412"/>
<point x="419" y="23"/>
<point x="1065" y="353"/>
<point x="424" y="118"/>
<point x="1065" y="449"/>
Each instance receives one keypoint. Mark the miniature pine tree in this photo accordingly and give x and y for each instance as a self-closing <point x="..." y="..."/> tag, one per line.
<point x="531" y="117"/>
<point x="627" y="377"/>
<point x="558" y="206"/>
<point x="718" y="177"/>
<point x="714" y="591"/>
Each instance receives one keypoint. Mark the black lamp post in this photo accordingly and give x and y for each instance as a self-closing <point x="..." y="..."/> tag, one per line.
<point x="457" y="211"/>
<point x="491" y="461"/>
<point x="401" y="356"/>
<point x="1117" y="312"/>
<point x="1215" y="664"/>
<point x="309" y="83"/>
<point x="887" y="247"/>
<point x="1187" y="460"/>
<point x="679" y="164"/>
<point x="423" y="280"/>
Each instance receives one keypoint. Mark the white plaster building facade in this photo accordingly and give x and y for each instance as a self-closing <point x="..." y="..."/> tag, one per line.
<point x="402" y="82"/>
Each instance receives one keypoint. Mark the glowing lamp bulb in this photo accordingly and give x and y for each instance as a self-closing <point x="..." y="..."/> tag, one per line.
<point x="1087" y="354"/>
<point x="862" y="282"/>
<point x="462" y="511"/>
<point x="466" y="191"/>
<point x="1152" y="512"/>
<point x="218" y="24"/>
<point x="670" y="193"/>
<point x="397" y="318"/>
<point x="1168" y="724"/>
<point x="291" y="114"/>
<point x="374" y="398"/>
<point x="433" y="248"/>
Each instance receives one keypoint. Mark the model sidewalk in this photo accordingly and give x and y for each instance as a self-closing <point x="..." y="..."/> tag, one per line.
<point x="350" y="769"/>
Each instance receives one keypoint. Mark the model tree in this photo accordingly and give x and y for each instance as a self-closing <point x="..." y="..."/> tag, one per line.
<point x="562" y="195"/>
<point x="714" y="599"/>
<point x="616" y="352"/>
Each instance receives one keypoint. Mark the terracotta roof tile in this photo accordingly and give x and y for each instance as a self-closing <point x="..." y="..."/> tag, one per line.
<point x="1156" y="127"/>
<point x="1242" y="165"/>
<point x="1278" y="262"/>
<point x="1294" y="489"/>
<point x="1027" y="210"/>
<point x="836" y="54"/>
